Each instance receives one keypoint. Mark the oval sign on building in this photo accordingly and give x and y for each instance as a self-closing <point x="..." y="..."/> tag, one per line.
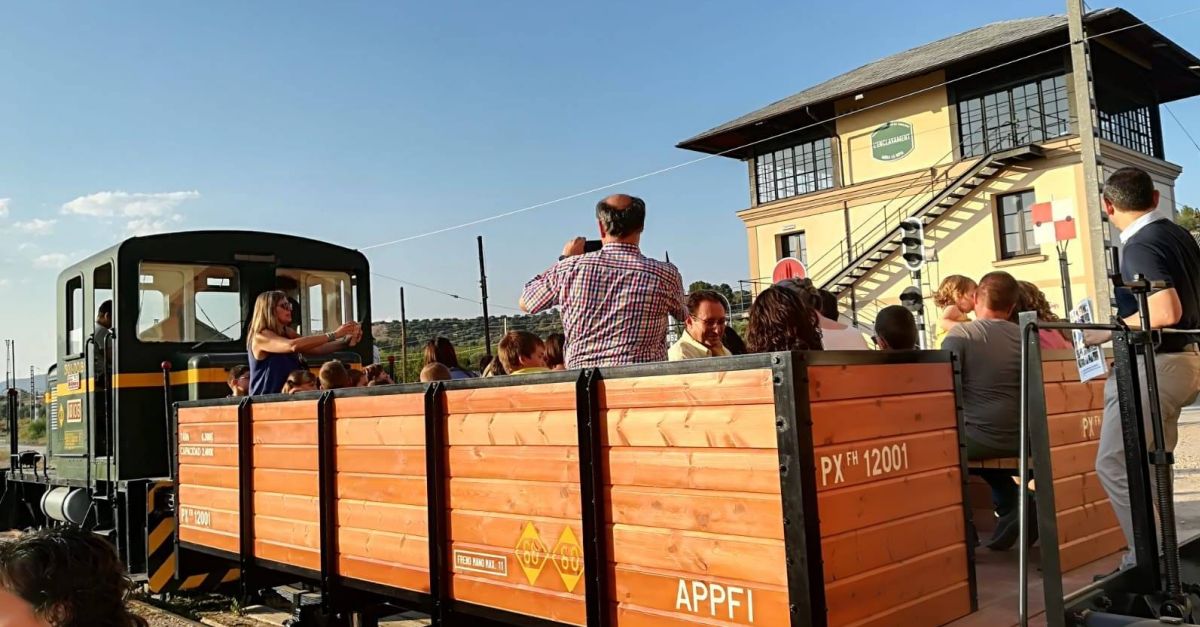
<point x="892" y="141"/>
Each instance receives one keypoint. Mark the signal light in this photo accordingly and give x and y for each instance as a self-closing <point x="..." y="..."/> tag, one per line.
<point x="912" y="301"/>
<point x="912" y="237"/>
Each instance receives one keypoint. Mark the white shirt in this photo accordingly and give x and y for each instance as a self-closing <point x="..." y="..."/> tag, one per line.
<point x="846" y="338"/>
<point x="1140" y="224"/>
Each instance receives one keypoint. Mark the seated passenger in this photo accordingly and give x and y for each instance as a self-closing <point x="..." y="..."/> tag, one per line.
<point x="68" y="576"/>
<point x="522" y="352"/>
<point x="300" y="381"/>
<point x="703" y="329"/>
<point x="435" y="372"/>
<point x="377" y="375"/>
<point x="335" y="376"/>
<point x="733" y="342"/>
<point x="494" y="368"/>
<point x="441" y="350"/>
<point x="956" y="299"/>
<point x="239" y="381"/>
<point x="989" y="349"/>
<point x="895" y="329"/>
<point x="358" y="378"/>
<point x="1032" y="299"/>
<point x="834" y="334"/>
<point x="782" y="321"/>
<point x="274" y="347"/>
<point x="555" y="343"/>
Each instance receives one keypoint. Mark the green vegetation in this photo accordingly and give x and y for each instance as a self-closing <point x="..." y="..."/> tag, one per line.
<point x="1189" y="218"/>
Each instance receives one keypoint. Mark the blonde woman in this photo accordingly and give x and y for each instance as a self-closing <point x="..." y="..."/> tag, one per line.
<point x="273" y="346"/>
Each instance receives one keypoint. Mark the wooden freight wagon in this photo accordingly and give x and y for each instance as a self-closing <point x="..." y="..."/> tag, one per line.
<point x="778" y="489"/>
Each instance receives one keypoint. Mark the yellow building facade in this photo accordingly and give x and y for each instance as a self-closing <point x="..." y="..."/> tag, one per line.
<point x="834" y="169"/>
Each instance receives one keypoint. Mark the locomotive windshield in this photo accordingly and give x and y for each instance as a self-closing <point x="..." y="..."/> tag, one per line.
<point x="326" y="298"/>
<point x="188" y="303"/>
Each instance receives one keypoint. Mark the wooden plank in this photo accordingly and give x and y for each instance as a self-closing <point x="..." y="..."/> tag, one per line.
<point x="409" y="404"/>
<point x="382" y="460"/>
<point x="699" y="554"/>
<point x="206" y="496"/>
<point x="371" y="515"/>
<point x="938" y="608"/>
<point x="1071" y="397"/>
<point x="207" y="519"/>
<point x="212" y="476"/>
<point x="383" y="546"/>
<point x="393" y="489"/>
<point x="837" y="422"/>
<point x="856" y="552"/>
<point x="294" y="533"/>
<point x="713" y="426"/>
<point x="513" y="428"/>
<point x="210" y="538"/>
<point x="1075" y="427"/>
<point x="287" y="410"/>
<point x="287" y="554"/>
<point x="561" y="607"/>
<point x="1085" y="521"/>
<point x="651" y="597"/>
<point x="885" y="588"/>
<point x="556" y="500"/>
<point x="747" y="470"/>
<point x="288" y="506"/>
<point x="733" y="513"/>
<point x="874" y="460"/>
<point x="487" y="529"/>
<point x="300" y="482"/>
<point x="535" y="568"/>
<point x="216" y="414"/>
<point x="209" y="433"/>
<point x="1074" y="459"/>
<point x="526" y="463"/>
<point x="286" y="432"/>
<point x="829" y="383"/>
<point x="208" y="454"/>
<point x="384" y="573"/>
<point x="1068" y="493"/>
<point x="856" y="507"/>
<point x="390" y="430"/>
<point x="286" y="457"/>
<point x="512" y="398"/>
<point x="736" y="387"/>
<point x="1091" y="548"/>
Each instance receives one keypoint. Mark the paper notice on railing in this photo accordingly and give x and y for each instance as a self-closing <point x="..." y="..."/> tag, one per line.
<point x="1090" y="359"/>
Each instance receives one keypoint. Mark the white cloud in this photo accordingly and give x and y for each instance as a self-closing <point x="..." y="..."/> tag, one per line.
<point x="4" y="283"/>
<point x="53" y="261"/>
<point x="144" y="213"/>
<point x="36" y="226"/>
<point x="4" y="202"/>
<point x="26" y="246"/>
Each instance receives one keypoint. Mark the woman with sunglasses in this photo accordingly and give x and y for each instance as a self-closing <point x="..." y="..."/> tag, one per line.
<point x="274" y="346"/>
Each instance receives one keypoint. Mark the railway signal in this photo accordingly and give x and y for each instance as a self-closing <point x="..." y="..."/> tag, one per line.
<point x="912" y="239"/>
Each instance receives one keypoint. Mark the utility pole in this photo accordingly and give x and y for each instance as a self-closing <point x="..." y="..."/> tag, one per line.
<point x="403" y="339"/>
<point x="33" y="400"/>
<point x="487" y="326"/>
<point x="1094" y="220"/>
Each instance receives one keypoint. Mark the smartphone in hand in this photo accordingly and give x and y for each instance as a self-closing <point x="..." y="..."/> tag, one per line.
<point x="592" y="245"/>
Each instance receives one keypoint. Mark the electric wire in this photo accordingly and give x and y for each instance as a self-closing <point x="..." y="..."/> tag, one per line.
<point x="834" y="118"/>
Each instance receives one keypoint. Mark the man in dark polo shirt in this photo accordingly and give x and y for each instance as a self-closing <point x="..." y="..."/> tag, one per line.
<point x="1160" y="250"/>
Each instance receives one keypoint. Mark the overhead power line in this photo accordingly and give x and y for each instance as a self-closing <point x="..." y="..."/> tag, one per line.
<point x="766" y="139"/>
<point x="442" y="292"/>
<point x="1182" y="128"/>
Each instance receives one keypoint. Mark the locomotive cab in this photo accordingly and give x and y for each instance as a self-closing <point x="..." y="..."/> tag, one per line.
<point x="149" y="322"/>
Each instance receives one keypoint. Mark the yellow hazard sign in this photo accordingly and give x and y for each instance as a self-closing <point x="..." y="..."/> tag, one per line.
<point x="531" y="553"/>
<point x="567" y="555"/>
<point x="568" y="559"/>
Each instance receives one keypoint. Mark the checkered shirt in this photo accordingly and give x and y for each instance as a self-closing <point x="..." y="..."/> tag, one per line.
<point x="614" y="305"/>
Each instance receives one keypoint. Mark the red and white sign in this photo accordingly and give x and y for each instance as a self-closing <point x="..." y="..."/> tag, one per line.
<point x="788" y="268"/>
<point x="1053" y="221"/>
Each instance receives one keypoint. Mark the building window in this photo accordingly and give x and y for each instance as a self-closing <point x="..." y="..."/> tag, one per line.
<point x="1132" y="128"/>
<point x="1025" y="114"/>
<point x="1016" y="226"/>
<point x="794" y="171"/>
<point x="793" y="245"/>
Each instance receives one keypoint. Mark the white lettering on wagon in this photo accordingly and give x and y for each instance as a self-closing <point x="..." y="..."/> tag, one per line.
<point x="718" y="601"/>
<point x="876" y="460"/>
<point x="196" y="451"/>
<point x="1090" y="426"/>
<point x="483" y="563"/>
<point x="195" y="517"/>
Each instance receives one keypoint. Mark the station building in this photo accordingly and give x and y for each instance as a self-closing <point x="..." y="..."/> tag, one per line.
<point x="967" y="133"/>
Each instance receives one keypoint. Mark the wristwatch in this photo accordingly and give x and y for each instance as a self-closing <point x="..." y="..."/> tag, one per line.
<point x="330" y="336"/>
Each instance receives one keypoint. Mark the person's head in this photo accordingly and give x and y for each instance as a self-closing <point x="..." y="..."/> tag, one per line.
<point x="521" y="349"/>
<point x="895" y="329"/>
<point x="829" y="304"/>
<point x="358" y="378"/>
<point x="239" y="380"/>
<point x="555" y="344"/>
<point x="1033" y="299"/>
<point x="733" y="342"/>
<point x="485" y="360"/>
<point x="707" y="318"/>
<point x="435" y="372"/>
<point x="621" y="218"/>
<point x="441" y="350"/>
<point x="104" y="314"/>
<point x="956" y="290"/>
<point x="996" y="296"/>
<point x="1128" y="195"/>
<point x="334" y="375"/>
<point x="377" y="374"/>
<point x="71" y="577"/>
<point x="300" y="381"/>
<point x="494" y="368"/>
<point x="272" y="312"/>
<point x="806" y="290"/>
<point x="780" y="320"/>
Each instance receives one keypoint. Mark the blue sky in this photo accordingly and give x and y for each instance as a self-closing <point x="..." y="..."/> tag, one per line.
<point x="362" y="122"/>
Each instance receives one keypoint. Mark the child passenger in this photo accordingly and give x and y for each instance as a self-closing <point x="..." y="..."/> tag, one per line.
<point x="956" y="299"/>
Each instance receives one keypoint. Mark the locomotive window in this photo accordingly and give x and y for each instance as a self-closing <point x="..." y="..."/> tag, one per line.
<point x="326" y="298"/>
<point x="75" y="316"/>
<point x="188" y="303"/>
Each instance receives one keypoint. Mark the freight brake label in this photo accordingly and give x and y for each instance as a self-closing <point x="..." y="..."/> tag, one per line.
<point x="483" y="563"/>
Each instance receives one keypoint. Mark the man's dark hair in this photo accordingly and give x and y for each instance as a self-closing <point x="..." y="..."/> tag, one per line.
<point x="699" y="296"/>
<point x="105" y="308"/>
<point x="620" y="222"/>
<point x="999" y="291"/>
<point x="733" y="342"/>
<point x="237" y="371"/>
<point x="1130" y="189"/>
<point x="896" y="326"/>
<point x="71" y="577"/>
<point x="829" y="306"/>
